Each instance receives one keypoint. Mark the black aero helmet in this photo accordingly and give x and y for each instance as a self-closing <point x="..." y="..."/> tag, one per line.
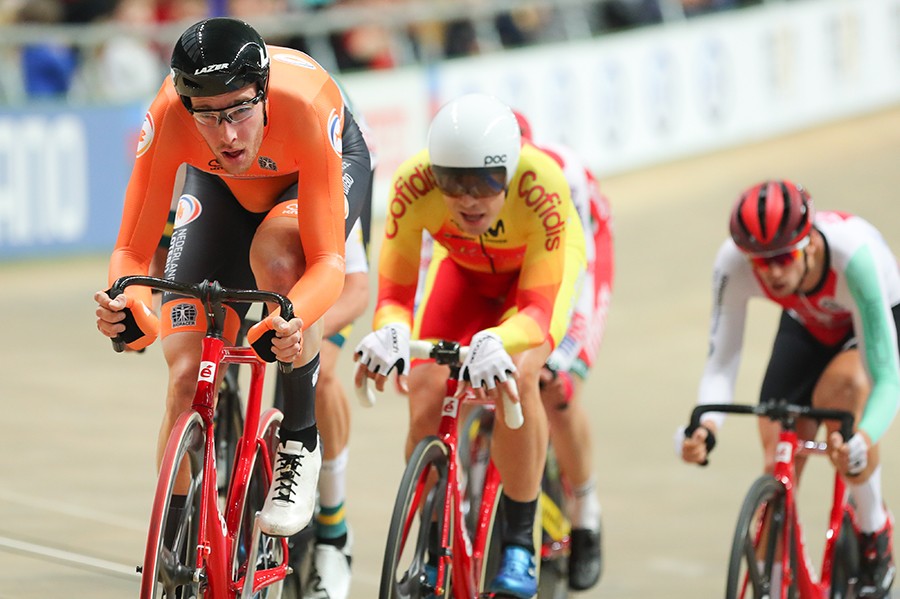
<point x="217" y="56"/>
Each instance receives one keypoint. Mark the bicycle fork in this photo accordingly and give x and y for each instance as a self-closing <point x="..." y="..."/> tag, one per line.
<point x="801" y="571"/>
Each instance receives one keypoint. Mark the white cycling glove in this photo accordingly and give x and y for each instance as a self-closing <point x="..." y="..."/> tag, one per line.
<point x="487" y="361"/>
<point x="386" y="348"/>
<point x="859" y="454"/>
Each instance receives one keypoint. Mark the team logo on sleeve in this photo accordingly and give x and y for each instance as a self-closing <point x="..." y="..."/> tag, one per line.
<point x="335" y="131"/>
<point x="188" y="210"/>
<point x="146" y="136"/>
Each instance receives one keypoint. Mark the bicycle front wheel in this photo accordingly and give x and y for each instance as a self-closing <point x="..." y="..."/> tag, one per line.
<point x="416" y="520"/>
<point x="758" y="542"/>
<point x="845" y="567"/>
<point x="171" y="554"/>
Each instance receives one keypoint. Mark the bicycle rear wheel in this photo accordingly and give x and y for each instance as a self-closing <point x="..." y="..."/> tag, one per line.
<point x="269" y="552"/>
<point x="228" y="424"/>
<point x="757" y="545"/>
<point x="555" y="533"/>
<point x="404" y="574"/>
<point x="171" y="553"/>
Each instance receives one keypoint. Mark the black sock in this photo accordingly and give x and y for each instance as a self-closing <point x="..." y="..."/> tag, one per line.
<point x="518" y="522"/>
<point x="299" y="396"/>
<point x="309" y="436"/>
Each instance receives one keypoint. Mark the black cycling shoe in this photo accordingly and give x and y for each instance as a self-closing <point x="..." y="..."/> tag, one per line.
<point x="586" y="559"/>
<point x="876" y="563"/>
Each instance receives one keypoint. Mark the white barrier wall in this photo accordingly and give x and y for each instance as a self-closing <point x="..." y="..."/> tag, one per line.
<point x="624" y="101"/>
<point x="660" y="93"/>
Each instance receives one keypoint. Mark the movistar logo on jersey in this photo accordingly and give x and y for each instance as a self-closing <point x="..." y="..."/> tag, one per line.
<point x="497" y="230"/>
<point x="212" y="68"/>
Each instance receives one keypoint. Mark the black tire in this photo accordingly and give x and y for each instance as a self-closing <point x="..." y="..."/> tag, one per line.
<point x="228" y="423"/>
<point x="403" y="574"/>
<point x="845" y="569"/>
<point x="169" y="559"/>
<point x="756" y="539"/>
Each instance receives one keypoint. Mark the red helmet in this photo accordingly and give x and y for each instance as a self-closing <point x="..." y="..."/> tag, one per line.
<point x="771" y="217"/>
<point x="524" y="125"/>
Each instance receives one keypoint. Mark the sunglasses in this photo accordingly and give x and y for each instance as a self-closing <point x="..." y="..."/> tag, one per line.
<point x="782" y="258"/>
<point x="233" y="114"/>
<point x="474" y="182"/>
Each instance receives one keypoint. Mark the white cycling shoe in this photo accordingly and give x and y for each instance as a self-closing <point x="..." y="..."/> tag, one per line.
<point x="329" y="576"/>
<point x="292" y="497"/>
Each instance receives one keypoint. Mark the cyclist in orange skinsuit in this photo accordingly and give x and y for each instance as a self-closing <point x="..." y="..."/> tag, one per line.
<point x="257" y="126"/>
<point x="514" y="251"/>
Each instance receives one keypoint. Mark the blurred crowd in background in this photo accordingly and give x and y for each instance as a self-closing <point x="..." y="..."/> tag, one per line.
<point x="126" y="66"/>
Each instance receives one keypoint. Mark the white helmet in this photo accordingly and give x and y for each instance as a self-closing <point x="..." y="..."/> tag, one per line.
<point x="475" y="131"/>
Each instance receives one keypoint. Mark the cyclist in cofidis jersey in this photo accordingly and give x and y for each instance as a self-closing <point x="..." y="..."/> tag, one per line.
<point x="836" y="346"/>
<point x="256" y="126"/>
<point x="504" y="214"/>
<point x="563" y="376"/>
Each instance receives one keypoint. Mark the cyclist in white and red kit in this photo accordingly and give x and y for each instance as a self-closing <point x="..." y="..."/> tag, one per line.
<point x="836" y="347"/>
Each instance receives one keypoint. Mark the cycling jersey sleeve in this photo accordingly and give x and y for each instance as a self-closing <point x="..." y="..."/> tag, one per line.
<point x="879" y="342"/>
<point x="733" y="285"/>
<point x="320" y="208"/>
<point x="148" y="196"/>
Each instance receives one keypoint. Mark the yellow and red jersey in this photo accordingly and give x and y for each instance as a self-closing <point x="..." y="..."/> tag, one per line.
<point x="301" y="144"/>
<point x="535" y="234"/>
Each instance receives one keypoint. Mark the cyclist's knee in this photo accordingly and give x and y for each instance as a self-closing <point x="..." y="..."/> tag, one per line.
<point x="558" y="415"/>
<point x="422" y="422"/>
<point x="276" y="258"/>
<point x="841" y="387"/>
<point x="182" y="387"/>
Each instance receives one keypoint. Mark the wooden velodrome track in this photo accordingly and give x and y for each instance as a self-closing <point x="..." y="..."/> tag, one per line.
<point x="79" y="421"/>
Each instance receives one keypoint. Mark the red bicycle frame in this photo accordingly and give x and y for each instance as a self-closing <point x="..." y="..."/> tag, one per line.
<point x="467" y="558"/>
<point x="799" y="572"/>
<point x="217" y="542"/>
<point x="218" y="530"/>
<point x="789" y="445"/>
<point x="466" y="565"/>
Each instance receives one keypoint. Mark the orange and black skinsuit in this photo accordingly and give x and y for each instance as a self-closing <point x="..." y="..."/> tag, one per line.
<point x="517" y="280"/>
<point x="302" y="156"/>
